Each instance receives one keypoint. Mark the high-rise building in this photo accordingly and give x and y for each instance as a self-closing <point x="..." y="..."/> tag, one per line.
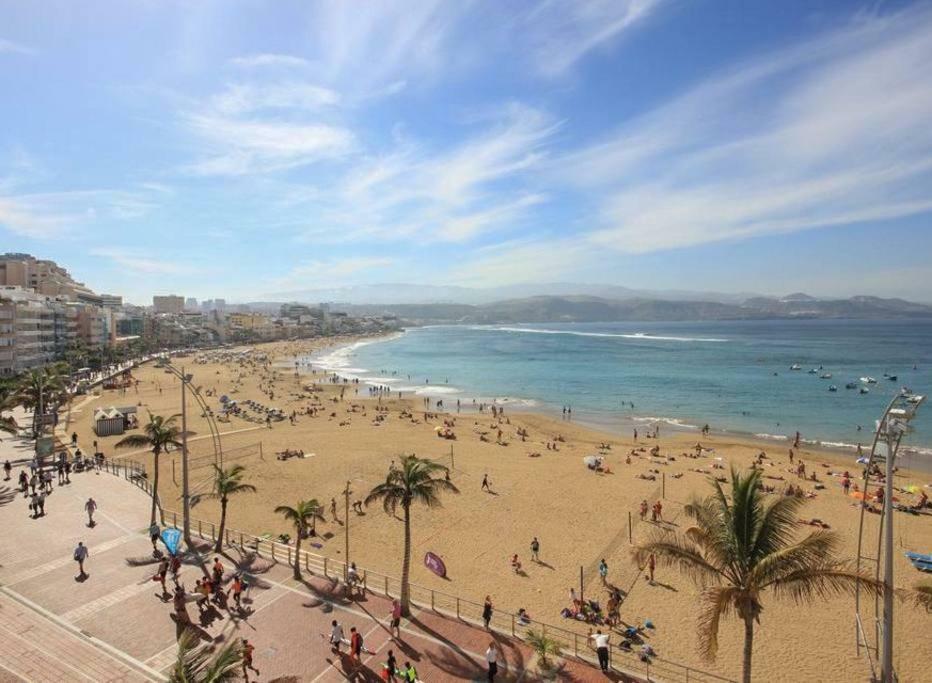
<point x="27" y="330"/>
<point x="190" y="304"/>
<point x="43" y="277"/>
<point x="170" y="303"/>
<point x="111" y="300"/>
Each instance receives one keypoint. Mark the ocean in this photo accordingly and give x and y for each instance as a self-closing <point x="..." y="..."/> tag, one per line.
<point x="734" y="376"/>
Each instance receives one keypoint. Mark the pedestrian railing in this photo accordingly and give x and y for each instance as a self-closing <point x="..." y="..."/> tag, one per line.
<point x="572" y="642"/>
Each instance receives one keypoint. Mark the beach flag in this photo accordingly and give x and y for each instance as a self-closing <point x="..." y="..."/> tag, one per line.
<point x="171" y="537"/>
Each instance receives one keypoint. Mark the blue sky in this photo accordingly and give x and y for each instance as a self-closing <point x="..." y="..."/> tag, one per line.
<point x="247" y="149"/>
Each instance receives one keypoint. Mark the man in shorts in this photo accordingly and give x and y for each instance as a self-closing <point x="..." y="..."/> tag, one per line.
<point x="80" y="554"/>
<point x="90" y="507"/>
<point x="395" y="626"/>
<point x="336" y="636"/>
<point x="248" y="649"/>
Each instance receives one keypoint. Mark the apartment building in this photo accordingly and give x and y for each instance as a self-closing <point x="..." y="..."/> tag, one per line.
<point x="168" y="304"/>
<point x="27" y="330"/>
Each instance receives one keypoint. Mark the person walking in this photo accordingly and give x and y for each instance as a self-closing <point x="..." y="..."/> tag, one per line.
<point x="336" y="636"/>
<point x="491" y="659"/>
<point x="355" y="647"/>
<point x="601" y="648"/>
<point x="248" y="650"/>
<point x="485" y="483"/>
<point x="603" y="571"/>
<point x="40" y="502"/>
<point x="7" y="468"/>
<point x="409" y="673"/>
<point x="90" y="507"/>
<point x="161" y="573"/>
<point x="651" y="565"/>
<point x="154" y="533"/>
<point x="236" y="588"/>
<point x="33" y="506"/>
<point x="80" y="554"/>
<point x="535" y="549"/>
<point x="391" y="666"/>
<point x="395" y="626"/>
<point x="487" y="611"/>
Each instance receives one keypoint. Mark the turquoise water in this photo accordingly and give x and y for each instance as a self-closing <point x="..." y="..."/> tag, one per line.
<point x="733" y="376"/>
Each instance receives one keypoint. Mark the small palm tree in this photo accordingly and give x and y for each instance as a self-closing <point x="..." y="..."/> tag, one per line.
<point x="922" y="595"/>
<point x="544" y="647"/>
<point x="158" y="435"/>
<point x="227" y="482"/>
<point x="204" y="663"/>
<point x="42" y="390"/>
<point x="8" y="401"/>
<point x="413" y="482"/>
<point x="302" y="516"/>
<point x="740" y="546"/>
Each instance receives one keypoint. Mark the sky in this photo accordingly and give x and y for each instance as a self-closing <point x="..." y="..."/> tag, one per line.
<point x="252" y="150"/>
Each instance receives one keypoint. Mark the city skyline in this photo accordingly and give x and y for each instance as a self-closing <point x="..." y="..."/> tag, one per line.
<point x="228" y="151"/>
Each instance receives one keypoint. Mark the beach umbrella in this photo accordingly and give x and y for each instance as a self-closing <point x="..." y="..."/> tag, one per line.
<point x="592" y="460"/>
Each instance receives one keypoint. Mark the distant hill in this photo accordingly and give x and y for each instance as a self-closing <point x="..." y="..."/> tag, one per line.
<point x="598" y="309"/>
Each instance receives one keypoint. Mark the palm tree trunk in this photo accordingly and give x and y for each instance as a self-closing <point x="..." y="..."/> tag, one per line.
<point x="406" y="567"/>
<point x="748" y="648"/>
<point x="155" y="485"/>
<point x="223" y="523"/>
<point x="297" y="555"/>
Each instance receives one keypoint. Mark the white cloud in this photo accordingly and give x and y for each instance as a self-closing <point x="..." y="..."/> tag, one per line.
<point x="259" y="126"/>
<point x="454" y="194"/>
<point x="561" y="32"/>
<point x="269" y="60"/>
<point x="9" y="47"/>
<point x="135" y="262"/>
<point x="245" y="98"/>
<point x="27" y="219"/>
<point x="830" y="132"/>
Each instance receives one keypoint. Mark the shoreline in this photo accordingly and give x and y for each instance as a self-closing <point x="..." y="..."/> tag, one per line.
<point x="616" y="424"/>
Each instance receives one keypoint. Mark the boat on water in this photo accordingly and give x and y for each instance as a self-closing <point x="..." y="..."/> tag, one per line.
<point x="813" y="371"/>
<point x="869" y="380"/>
<point x="865" y="390"/>
<point x="796" y="366"/>
<point x="892" y="378"/>
<point x="833" y="388"/>
<point x="825" y="375"/>
<point x="851" y="385"/>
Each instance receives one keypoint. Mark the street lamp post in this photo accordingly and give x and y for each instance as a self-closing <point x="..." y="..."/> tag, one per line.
<point x="185" y="491"/>
<point x="346" y="494"/>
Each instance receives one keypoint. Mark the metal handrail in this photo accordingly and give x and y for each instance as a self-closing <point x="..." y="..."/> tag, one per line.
<point x="450" y="605"/>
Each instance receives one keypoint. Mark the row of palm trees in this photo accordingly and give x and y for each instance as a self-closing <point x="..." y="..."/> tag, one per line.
<point x="740" y="546"/>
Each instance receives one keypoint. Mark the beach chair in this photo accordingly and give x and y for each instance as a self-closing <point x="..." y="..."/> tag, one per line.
<point x="920" y="557"/>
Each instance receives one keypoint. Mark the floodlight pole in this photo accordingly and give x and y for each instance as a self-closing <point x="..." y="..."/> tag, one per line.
<point x="185" y="493"/>
<point x="886" y="661"/>
<point x="346" y="493"/>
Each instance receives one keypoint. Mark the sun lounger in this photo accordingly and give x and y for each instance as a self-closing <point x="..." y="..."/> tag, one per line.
<point x="927" y="558"/>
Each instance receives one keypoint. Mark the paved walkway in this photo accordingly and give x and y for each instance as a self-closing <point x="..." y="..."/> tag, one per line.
<point x="114" y="624"/>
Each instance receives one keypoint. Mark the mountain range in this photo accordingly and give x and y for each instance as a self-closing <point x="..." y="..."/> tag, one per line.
<point x="577" y="308"/>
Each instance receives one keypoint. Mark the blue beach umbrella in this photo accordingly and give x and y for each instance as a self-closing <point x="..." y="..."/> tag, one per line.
<point x="171" y="537"/>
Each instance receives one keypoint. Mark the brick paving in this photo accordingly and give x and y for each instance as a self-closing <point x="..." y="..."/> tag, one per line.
<point x="116" y="626"/>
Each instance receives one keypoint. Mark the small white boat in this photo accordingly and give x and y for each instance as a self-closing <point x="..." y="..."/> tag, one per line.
<point x="796" y="366"/>
<point x="833" y="388"/>
<point x="865" y="390"/>
<point x="826" y="375"/>
<point x="813" y="371"/>
<point x="869" y="380"/>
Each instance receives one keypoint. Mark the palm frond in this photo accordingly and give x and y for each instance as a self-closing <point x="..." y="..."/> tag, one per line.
<point x="716" y="602"/>
<point x="671" y="550"/>
<point x="823" y="581"/>
<point x="786" y="561"/>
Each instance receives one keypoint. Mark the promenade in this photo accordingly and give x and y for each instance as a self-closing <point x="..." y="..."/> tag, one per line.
<point x="114" y="624"/>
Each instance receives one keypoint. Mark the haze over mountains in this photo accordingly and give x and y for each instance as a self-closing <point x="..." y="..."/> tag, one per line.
<point x="566" y="302"/>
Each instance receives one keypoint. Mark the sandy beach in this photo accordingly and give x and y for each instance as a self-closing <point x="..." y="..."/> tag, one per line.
<point x="578" y="515"/>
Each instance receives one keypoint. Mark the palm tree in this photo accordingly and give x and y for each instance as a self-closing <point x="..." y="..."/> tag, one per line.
<point x="413" y="482"/>
<point x="205" y="664"/>
<point x="42" y="390"/>
<point x="227" y="482"/>
<point x="741" y="545"/>
<point x="8" y="400"/>
<point x="158" y="435"/>
<point x="544" y="646"/>
<point x="922" y="595"/>
<point x="301" y="515"/>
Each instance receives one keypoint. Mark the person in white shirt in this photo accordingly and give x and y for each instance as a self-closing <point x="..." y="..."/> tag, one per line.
<point x="491" y="658"/>
<point x="336" y="635"/>
<point x="601" y="648"/>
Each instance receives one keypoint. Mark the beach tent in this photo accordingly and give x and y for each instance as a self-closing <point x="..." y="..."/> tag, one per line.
<point x="108" y="421"/>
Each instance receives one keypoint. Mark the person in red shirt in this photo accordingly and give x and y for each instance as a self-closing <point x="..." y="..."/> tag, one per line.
<point x="356" y="646"/>
<point x="248" y="649"/>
